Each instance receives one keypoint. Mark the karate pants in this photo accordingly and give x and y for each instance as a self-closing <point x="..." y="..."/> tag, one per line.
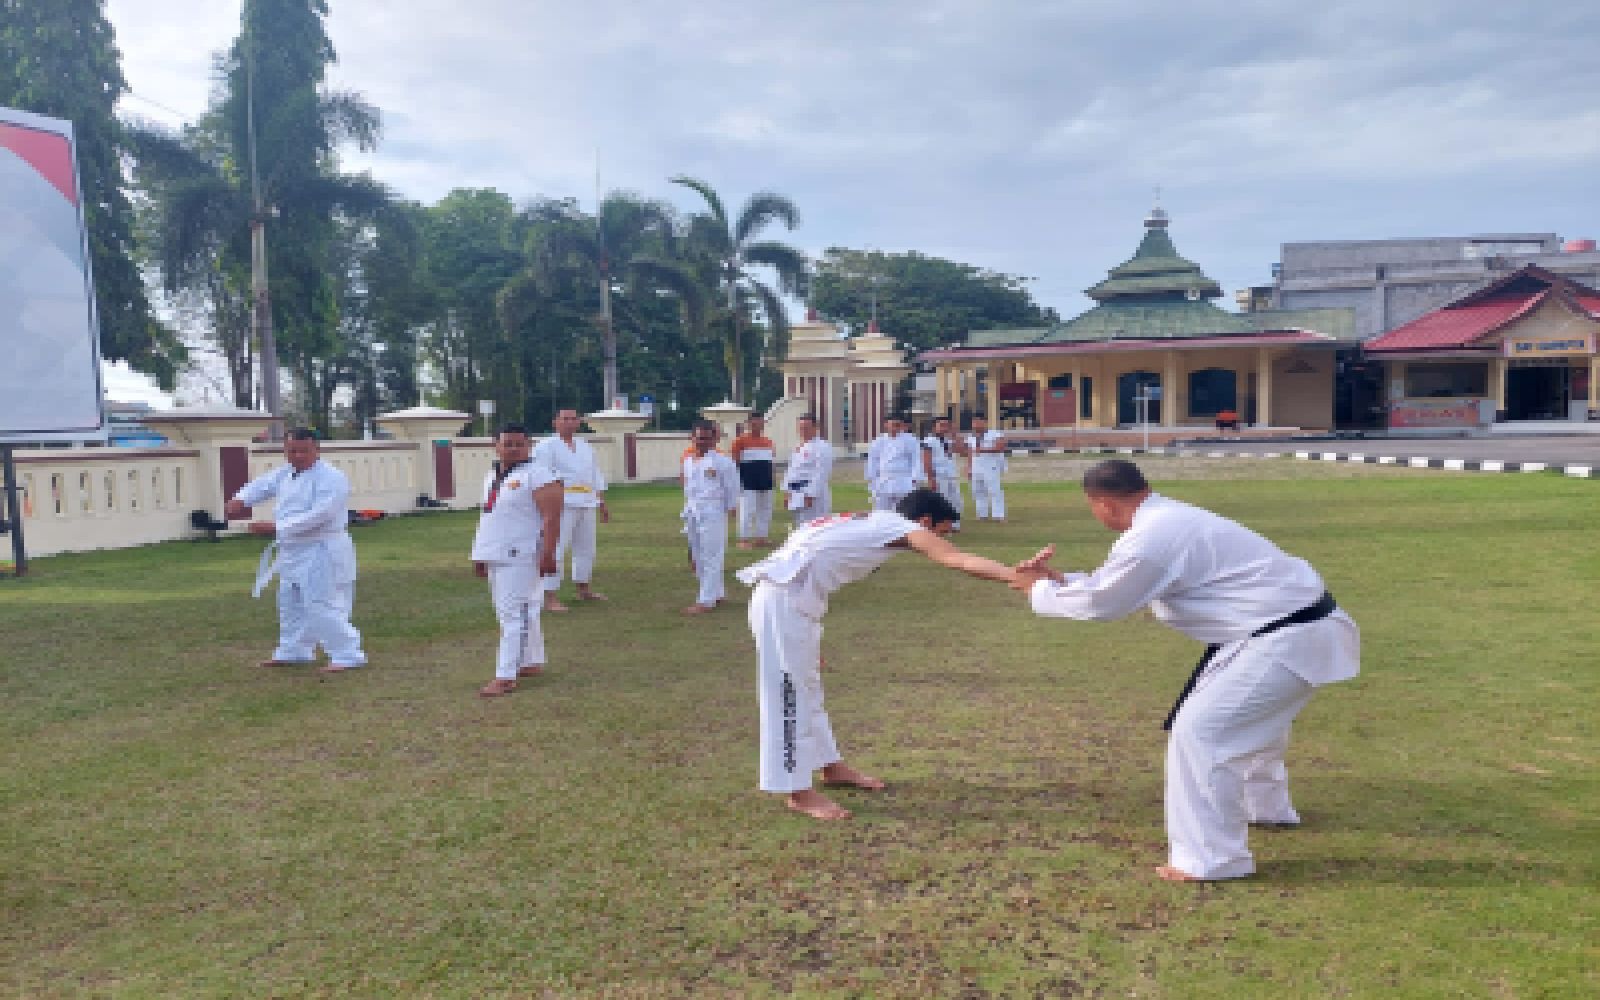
<point x="987" y="496"/>
<point x="796" y="738"/>
<point x="819" y="508"/>
<point x="755" y="513"/>
<point x="577" y="535"/>
<point x="306" y="622"/>
<point x="708" y="544"/>
<point x="514" y="588"/>
<point x="887" y="501"/>
<point x="1225" y="752"/>
<point x="950" y="489"/>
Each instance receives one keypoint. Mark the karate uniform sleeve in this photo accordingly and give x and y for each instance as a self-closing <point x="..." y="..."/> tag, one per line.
<point x="1122" y="586"/>
<point x="872" y="462"/>
<point x="730" y="485"/>
<point x="824" y="473"/>
<point x="599" y="477"/>
<point x="263" y="487"/>
<point x="330" y="501"/>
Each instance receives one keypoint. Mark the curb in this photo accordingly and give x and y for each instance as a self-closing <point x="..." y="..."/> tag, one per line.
<point x="1360" y="458"/>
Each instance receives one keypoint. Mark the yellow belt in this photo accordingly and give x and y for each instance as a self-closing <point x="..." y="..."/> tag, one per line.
<point x="579" y="489"/>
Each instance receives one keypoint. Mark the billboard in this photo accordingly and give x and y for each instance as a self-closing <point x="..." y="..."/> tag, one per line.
<point x="49" y="338"/>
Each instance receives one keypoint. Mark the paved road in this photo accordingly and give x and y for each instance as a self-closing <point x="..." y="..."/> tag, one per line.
<point x="1555" y="449"/>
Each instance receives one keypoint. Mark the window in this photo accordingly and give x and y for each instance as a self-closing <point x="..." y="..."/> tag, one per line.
<point x="1060" y="382"/>
<point x="1212" y="390"/>
<point x="1086" y="398"/>
<point x="1469" y="378"/>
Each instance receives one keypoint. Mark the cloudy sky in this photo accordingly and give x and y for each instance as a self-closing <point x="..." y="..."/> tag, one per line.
<point x="1028" y="137"/>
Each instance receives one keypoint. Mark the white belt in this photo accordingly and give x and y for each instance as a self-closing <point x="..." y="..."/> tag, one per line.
<point x="266" y="568"/>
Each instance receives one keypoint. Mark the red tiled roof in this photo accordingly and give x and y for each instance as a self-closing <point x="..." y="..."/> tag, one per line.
<point x="1455" y="326"/>
<point x="1591" y="303"/>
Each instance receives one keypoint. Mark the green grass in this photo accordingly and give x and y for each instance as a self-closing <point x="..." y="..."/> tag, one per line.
<point x="177" y="822"/>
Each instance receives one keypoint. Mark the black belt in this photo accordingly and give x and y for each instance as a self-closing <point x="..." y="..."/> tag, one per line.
<point x="1322" y="608"/>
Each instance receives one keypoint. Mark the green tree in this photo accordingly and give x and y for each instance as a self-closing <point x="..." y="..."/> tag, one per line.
<point x="622" y="251"/>
<point x="923" y="301"/>
<point x="726" y="252"/>
<point x="263" y="163"/>
<point x="59" y="58"/>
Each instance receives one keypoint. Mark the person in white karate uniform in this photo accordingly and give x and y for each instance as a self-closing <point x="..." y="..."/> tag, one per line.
<point x="986" y="466"/>
<point x="894" y="465"/>
<point x="515" y="547"/>
<point x="1274" y="636"/>
<point x="792" y="588"/>
<point x="571" y="460"/>
<point x="710" y="502"/>
<point x="939" y="451"/>
<point x="806" y="480"/>
<point x="312" y="555"/>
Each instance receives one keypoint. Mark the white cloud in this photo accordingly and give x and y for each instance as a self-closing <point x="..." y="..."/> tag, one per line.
<point x="1021" y="136"/>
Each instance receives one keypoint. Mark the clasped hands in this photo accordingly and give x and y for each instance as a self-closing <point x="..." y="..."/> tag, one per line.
<point x="235" y="509"/>
<point x="1035" y="568"/>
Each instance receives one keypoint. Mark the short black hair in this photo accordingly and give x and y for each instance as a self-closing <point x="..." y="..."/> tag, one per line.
<point x="1116" y="477"/>
<point x="920" y="503"/>
<point x="808" y="416"/>
<point x="511" y="429"/>
<point x="301" y="434"/>
<point x="709" y="425"/>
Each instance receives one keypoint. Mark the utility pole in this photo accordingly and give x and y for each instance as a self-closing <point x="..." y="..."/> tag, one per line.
<point x="260" y="297"/>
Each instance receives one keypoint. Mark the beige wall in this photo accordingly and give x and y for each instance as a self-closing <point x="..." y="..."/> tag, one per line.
<point x="1302" y="390"/>
<point x="1299" y="399"/>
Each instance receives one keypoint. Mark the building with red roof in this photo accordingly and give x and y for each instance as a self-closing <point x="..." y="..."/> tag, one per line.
<point x="1523" y="347"/>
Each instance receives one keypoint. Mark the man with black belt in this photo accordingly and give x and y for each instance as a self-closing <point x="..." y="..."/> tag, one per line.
<point x="1274" y="635"/>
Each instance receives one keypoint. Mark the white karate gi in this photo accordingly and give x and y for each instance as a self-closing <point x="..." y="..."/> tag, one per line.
<point x="510" y="530"/>
<point x="988" y="497"/>
<point x="710" y="493"/>
<point x="792" y="587"/>
<point x="1217" y="581"/>
<point x="807" y="478"/>
<point x="314" y="560"/>
<point x="583" y="482"/>
<point x="894" y="468"/>
<point x="947" y="479"/>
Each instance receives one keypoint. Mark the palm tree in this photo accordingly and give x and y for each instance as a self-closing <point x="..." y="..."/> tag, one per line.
<point x="726" y="251"/>
<point x="623" y="249"/>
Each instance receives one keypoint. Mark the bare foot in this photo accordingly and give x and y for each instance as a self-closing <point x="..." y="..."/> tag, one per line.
<point x="1170" y="874"/>
<point x="590" y="595"/>
<point x="699" y="609"/>
<point x="745" y="543"/>
<point x="533" y="670"/>
<point x="282" y="663"/>
<point x="551" y="604"/>
<point x="844" y="776"/>
<point x="339" y="668"/>
<point x="497" y="688"/>
<point x="816" y="805"/>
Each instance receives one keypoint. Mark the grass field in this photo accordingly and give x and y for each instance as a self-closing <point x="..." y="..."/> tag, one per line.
<point x="178" y="822"/>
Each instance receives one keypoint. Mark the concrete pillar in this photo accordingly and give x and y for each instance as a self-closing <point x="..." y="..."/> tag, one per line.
<point x="728" y="417"/>
<point x="211" y="431"/>
<point x="992" y="374"/>
<point x="1594" y="383"/>
<point x="1171" y="395"/>
<point x="422" y="426"/>
<point x="1497" y="382"/>
<point x="1263" y="387"/>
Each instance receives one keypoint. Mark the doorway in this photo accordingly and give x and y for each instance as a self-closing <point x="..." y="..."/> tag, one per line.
<point x="1128" y="386"/>
<point x="1538" y="392"/>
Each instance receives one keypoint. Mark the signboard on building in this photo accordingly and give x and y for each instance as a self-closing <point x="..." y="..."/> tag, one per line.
<point x="1549" y="347"/>
<point x="1455" y="412"/>
<point x="49" y="336"/>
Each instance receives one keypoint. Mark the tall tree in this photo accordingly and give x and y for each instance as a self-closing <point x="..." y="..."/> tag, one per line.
<point x="923" y="301"/>
<point x="59" y="58"/>
<point x="261" y="170"/>
<point x="728" y="252"/>
<point x="623" y="250"/>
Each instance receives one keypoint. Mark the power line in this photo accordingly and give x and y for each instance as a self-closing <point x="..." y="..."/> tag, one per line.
<point x="186" y="118"/>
